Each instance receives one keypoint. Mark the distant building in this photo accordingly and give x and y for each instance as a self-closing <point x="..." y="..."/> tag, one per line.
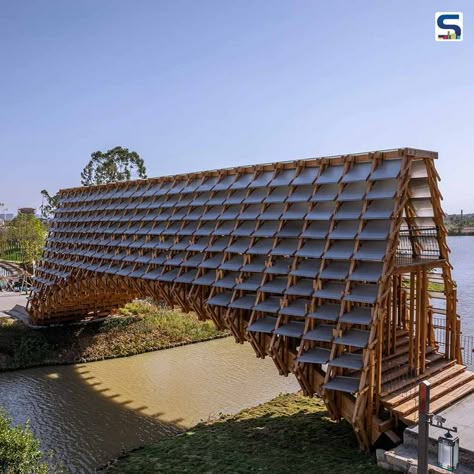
<point x="27" y="210"/>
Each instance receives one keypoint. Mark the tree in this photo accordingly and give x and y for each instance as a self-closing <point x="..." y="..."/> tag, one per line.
<point x="29" y="234"/>
<point x="117" y="164"/>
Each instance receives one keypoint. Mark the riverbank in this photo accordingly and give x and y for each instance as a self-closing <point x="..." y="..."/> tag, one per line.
<point x="141" y="327"/>
<point x="290" y="433"/>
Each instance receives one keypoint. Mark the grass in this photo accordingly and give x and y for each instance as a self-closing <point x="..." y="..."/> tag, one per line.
<point x="289" y="434"/>
<point x="142" y="327"/>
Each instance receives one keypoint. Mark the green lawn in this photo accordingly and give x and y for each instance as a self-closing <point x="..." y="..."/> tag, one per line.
<point x="290" y="434"/>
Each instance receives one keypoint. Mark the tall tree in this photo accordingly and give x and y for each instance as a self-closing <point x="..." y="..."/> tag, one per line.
<point x="117" y="164"/>
<point x="28" y="233"/>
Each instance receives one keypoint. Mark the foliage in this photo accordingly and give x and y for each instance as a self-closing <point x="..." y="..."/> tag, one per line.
<point x="29" y="235"/>
<point x="117" y="164"/>
<point x="19" y="450"/>
<point x="49" y="205"/>
<point x="142" y="327"/>
<point x="291" y="433"/>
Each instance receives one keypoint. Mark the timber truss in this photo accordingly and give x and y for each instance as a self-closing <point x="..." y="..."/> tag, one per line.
<point x="326" y="265"/>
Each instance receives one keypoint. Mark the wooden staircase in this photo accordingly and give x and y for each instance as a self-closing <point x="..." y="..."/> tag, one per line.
<point x="449" y="382"/>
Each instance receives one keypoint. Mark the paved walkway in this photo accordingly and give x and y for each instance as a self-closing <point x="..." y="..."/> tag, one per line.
<point x="8" y="301"/>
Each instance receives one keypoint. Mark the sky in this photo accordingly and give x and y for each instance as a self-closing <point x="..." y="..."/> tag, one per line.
<point x="194" y="85"/>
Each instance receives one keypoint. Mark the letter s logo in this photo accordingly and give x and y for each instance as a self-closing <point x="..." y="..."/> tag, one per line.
<point x="448" y="26"/>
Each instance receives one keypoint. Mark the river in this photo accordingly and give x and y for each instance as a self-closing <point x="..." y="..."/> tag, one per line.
<point x="88" y="414"/>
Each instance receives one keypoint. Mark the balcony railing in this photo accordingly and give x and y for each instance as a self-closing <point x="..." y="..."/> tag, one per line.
<point x="418" y="243"/>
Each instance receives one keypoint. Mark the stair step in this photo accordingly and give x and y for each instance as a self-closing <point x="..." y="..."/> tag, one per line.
<point x="432" y="369"/>
<point x="395" y="399"/>
<point x="436" y="392"/>
<point x="343" y="384"/>
<point x="444" y="402"/>
<point x="348" y="361"/>
<point x="400" y="359"/>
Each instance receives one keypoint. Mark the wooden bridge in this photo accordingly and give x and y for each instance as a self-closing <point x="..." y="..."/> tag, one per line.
<point x="334" y="267"/>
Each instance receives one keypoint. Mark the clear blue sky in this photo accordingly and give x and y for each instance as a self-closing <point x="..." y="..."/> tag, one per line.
<point x="193" y="85"/>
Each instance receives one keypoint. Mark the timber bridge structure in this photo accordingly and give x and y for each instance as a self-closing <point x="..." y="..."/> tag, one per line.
<point x="337" y="268"/>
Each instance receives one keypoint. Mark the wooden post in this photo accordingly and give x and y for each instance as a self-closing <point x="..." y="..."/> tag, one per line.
<point x="423" y="426"/>
<point x="424" y="318"/>
<point x="411" y="327"/>
<point x="418" y="323"/>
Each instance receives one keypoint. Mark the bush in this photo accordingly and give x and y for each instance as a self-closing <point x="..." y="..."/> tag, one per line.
<point x="19" y="449"/>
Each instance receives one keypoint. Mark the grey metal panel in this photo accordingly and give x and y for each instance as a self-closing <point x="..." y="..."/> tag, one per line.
<point x="371" y="251"/>
<point x="172" y="229"/>
<point x="208" y="183"/>
<point x="162" y="216"/>
<point x="257" y="265"/>
<point x="228" y="281"/>
<point x="193" y="261"/>
<point x="262" y="179"/>
<point x="181" y="244"/>
<point x="387" y="169"/>
<point x="301" y="194"/>
<point x="250" y="212"/>
<point x="189" y="229"/>
<point x="285" y="247"/>
<point x="349" y="210"/>
<point x="201" y="199"/>
<point x="242" y="181"/>
<point x="289" y="229"/>
<point x="419" y="188"/>
<point x="256" y="196"/>
<point x="317" y="230"/>
<point x="230" y="213"/>
<point x="154" y="274"/>
<point x="169" y="276"/>
<point x="358" y="315"/>
<point x="206" y="228"/>
<point x="279" y="267"/>
<point x="224" y="228"/>
<point x="235" y="263"/>
<point x="367" y="271"/>
<point x="272" y="212"/>
<point x="236" y="197"/>
<point x="270" y="305"/>
<point x="283" y="178"/>
<point x="266" y="229"/>
<point x="330" y="290"/>
<point x="311" y="249"/>
<point x="348" y="361"/>
<point x="354" y="338"/>
<point x="244" y="302"/>
<point x="218" y="198"/>
<point x="316" y="355"/>
<point x="178" y="187"/>
<point x="218" y="245"/>
<point x="353" y="192"/>
<point x="162" y="190"/>
<point x="199" y="245"/>
<point x="261" y="247"/>
<point x="422" y="207"/>
<point x="187" y="277"/>
<point x="225" y="183"/>
<point x="192" y="185"/>
<point x="290" y="329"/>
<point x="277" y="285"/>
<point x="213" y="213"/>
<point x="240" y="245"/>
<point x="332" y="174"/>
<point x="382" y="209"/>
<point x="326" y="312"/>
<point x="138" y="272"/>
<point x="343" y="384"/>
<point x="358" y="172"/>
<point x="336" y="271"/>
<point x="362" y="293"/>
<point x="295" y="211"/>
<point x="345" y="230"/>
<point x="298" y="307"/>
<point x="195" y="213"/>
<point x="158" y="260"/>
<point x="323" y="211"/>
<point x="375" y="230"/>
<point x="306" y="176"/>
<point x="322" y="333"/>
<point x="386" y="189"/>
<point x="265" y="325"/>
<point x="207" y="279"/>
<point x="176" y="260"/>
<point x="307" y="268"/>
<point x="340" y="250"/>
<point x="277" y="195"/>
<point x="304" y="287"/>
<point x="252" y="283"/>
<point x="222" y="299"/>
<point x="326" y="192"/>
<point x="212" y="262"/>
<point x="171" y="201"/>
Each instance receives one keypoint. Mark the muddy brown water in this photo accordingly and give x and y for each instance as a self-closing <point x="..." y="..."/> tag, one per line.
<point x="90" y="413"/>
